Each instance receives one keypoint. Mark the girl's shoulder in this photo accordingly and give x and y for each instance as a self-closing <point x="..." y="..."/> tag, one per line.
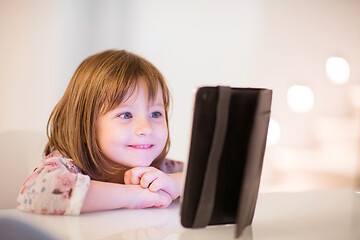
<point x="171" y="166"/>
<point x="56" y="186"/>
<point x="56" y="160"/>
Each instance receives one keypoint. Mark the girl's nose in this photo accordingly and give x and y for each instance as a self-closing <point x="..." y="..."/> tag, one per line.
<point x="143" y="127"/>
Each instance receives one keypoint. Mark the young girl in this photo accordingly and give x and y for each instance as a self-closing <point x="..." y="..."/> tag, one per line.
<point x="108" y="138"/>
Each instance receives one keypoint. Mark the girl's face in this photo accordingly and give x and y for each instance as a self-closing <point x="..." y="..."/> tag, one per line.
<point x="134" y="133"/>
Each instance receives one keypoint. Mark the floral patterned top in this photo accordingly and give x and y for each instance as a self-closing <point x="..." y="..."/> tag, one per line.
<point x="58" y="187"/>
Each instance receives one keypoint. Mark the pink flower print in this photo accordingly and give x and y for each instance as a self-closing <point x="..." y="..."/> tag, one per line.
<point x="65" y="181"/>
<point x="54" y="154"/>
<point x="44" y="210"/>
<point x="70" y="166"/>
<point x="48" y="156"/>
<point x="52" y="164"/>
<point x="58" y="212"/>
<point x="67" y="194"/>
<point x="64" y="184"/>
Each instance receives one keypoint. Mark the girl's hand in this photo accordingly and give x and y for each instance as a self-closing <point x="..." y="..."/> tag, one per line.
<point x="155" y="180"/>
<point x="145" y="198"/>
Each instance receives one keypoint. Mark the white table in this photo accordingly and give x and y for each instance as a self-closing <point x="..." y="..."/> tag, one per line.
<point x="328" y="214"/>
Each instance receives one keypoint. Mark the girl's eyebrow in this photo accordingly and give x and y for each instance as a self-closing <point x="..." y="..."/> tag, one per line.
<point x="157" y="105"/>
<point x="129" y="105"/>
<point x="123" y="105"/>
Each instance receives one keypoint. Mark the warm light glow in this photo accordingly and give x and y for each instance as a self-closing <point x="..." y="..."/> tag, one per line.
<point x="300" y="98"/>
<point x="273" y="132"/>
<point x="337" y="69"/>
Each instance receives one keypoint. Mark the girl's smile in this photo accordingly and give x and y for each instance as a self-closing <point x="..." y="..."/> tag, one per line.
<point x="141" y="146"/>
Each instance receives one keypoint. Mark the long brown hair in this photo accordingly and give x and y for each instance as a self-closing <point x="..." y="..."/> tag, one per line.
<point x="99" y="85"/>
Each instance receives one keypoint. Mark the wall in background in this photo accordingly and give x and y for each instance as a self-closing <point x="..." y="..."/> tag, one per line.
<point x="273" y="44"/>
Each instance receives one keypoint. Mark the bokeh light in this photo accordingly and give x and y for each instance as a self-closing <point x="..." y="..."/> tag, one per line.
<point x="300" y="98"/>
<point x="274" y="132"/>
<point x="337" y="69"/>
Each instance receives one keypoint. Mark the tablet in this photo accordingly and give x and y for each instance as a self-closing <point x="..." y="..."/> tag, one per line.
<point x="227" y="148"/>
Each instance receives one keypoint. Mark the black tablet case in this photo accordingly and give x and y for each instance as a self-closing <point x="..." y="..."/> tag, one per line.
<point x="226" y="156"/>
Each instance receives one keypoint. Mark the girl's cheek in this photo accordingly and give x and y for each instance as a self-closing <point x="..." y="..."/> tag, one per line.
<point x="163" y="132"/>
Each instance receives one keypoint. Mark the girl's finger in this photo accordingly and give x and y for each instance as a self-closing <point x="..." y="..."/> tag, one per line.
<point x="133" y="176"/>
<point x="127" y="178"/>
<point x="156" y="185"/>
<point x="147" y="178"/>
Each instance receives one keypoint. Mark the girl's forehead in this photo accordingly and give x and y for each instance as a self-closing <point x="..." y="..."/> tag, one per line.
<point x="151" y="94"/>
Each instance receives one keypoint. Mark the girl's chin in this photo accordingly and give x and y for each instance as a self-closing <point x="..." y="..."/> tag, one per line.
<point x="141" y="160"/>
<point x="141" y="164"/>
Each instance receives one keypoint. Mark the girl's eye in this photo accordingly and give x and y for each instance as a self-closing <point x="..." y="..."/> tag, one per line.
<point x="156" y="114"/>
<point x="126" y="115"/>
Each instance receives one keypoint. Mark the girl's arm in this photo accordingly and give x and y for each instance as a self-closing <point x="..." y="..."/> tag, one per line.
<point x="106" y="196"/>
<point x="58" y="187"/>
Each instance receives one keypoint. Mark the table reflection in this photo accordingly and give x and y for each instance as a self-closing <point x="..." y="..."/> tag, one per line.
<point x="327" y="214"/>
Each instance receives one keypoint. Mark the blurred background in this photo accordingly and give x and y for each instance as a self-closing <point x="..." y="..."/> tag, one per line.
<point x="307" y="51"/>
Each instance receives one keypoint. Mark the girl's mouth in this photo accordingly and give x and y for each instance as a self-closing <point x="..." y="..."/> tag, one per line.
<point x="141" y="146"/>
